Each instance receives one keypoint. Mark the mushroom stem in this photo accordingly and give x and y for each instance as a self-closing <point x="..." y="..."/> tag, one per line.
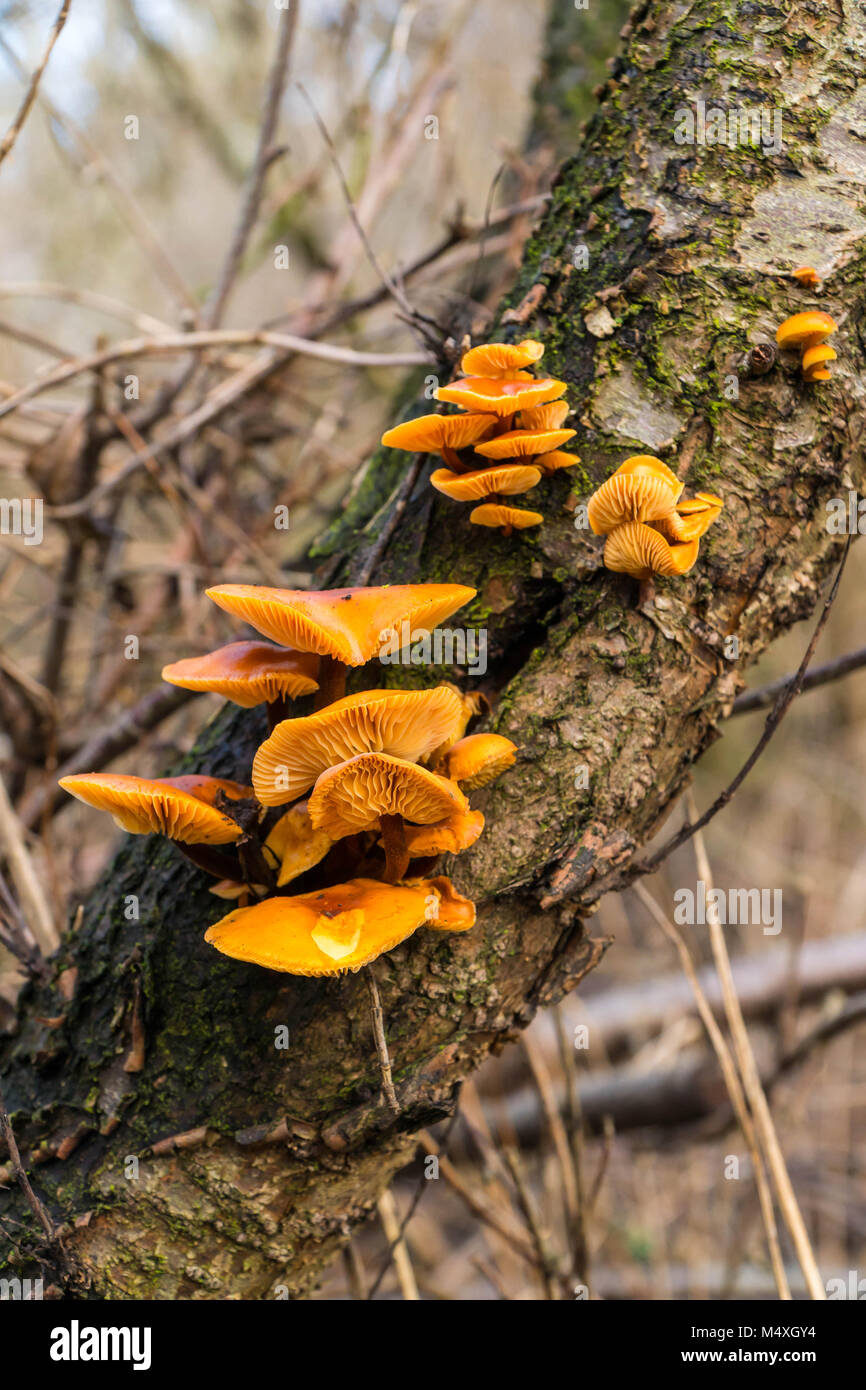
<point x="254" y="865"/>
<point x="377" y="1019"/>
<point x="646" y="592"/>
<point x="452" y="458"/>
<point x="278" y="710"/>
<point x="332" y="682"/>
<point x="396" y="853"/>
<point x="209" y="858"/>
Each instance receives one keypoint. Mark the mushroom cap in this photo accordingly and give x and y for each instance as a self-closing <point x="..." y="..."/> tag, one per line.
<point x="407" y="724"/>
<point x="648" y="466"/>
<point x="456" y="913"/>
<point x="692" y="518"/>
<point x="347" y="624"/>
<point x="807" y="275"/>
<point x="499" y="397"/>
<point x="353" y="795"/>
<point x="523" y="443"/>
<point x="145" y="807"/>
<point x="495" y="514"/>
<point x="482" y="482"/>
<point x="635" y="495"/>
<point x="428" y="434"/>
<point x="804" y="330"/>
<point x="326" y="933"/>
<point x="208" y="788"/>
<point x="556" y="459"/>
<point x="545" y="417"/>
<point x="501" y="359"/>
<point x="450" y="836"/>
<point x="247" y="673"/>
<point x="476" y="760"/>
<point x="294" y="845"/>
<point x="818" y="374"/>
<point x="814" y="358"/>
<point x="640" y="551"/>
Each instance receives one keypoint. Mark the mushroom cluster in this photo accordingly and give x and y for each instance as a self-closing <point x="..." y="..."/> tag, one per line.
<point x="649" y="529"/>
<point x="513" y="421"/>
<point x="358" y="799"/>
<point x="809" y="332"/>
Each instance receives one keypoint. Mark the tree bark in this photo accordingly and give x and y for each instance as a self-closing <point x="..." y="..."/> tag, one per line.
<point x="283" y="1151"/>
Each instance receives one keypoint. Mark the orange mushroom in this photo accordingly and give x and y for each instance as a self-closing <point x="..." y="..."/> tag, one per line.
<point x="505" y="481"/>
<point x="545" y="417"/>
<point x="501" y="359"/>
<point x="524" y="443"/>
<point x="249" y="674"/>
<point x="376" y="790"/>
<point x="180" y="808"/>
<point x="508" y="519"/>
<point x="641" y="489"/>
<point x="450" y="836"/>
<point x="294" y="845"/>
<point x="407" y="724"/>
<point x="807" y="275"/>
<point x="493" y="395"/>
<point x="814" y="359"/>
<point x="440" y="434"/>
<point x="692" y="518"/>
<point x="640" y="551"/>
<point x="346" y="627"/>
<point x="556" y="459"/>
<point x="478" y="759"/>
<point x="808" y="331"/>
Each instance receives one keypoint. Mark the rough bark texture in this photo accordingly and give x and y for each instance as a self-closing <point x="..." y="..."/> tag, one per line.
<point x="688" y="249"/>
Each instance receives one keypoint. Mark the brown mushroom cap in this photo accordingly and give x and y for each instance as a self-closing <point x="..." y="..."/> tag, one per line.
<point x="804" y="330"/>
<point x="451" y="836"/>
<point x="478" y="759"/>
<point x="326" y="933"/>
<point x="509" y="518"/>
<point x="294" y="845"/>
<point x="640" y="551"/>
<point x="482" y="482"/>
<point x="346" y="624"/>
<point x="497" y="397"/>
<point x="145" y="807"/>
<point x="545" y="417"/>
<point x="248" y="673"/>
<point x="636" y="493"/>
<point x="523" y="443"/>
<point x="501" y="359"/>
<point x="407" y="724"/>
<point x="353" y="795"/>
<point x="429" y="434"/>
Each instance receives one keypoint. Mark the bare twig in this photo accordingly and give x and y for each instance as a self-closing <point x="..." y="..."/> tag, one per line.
<point x="264" y="158"/>
<point x="19" y="1173"/>
<point x="389" y="1216"/>
<point x="822" y="675"/>
<point x="378" y="1021"/>
<point x="23" y="111"/>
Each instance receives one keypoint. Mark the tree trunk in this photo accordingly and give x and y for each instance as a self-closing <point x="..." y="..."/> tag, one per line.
<point x="688" y="247"/>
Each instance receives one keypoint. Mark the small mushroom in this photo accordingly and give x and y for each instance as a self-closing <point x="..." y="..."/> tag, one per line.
<point x="640" y="551"/>
<point x="814" y="359"/>
<point x="523" y="443"/>
<point x="807" y="331"/>
<point x="545" y="417"/>
<point x="508" y="519"/>
<point x="692" y="518"/>
<point x="505" y="480"/>
<point x="407" y="724"/>
<point x="478" y="759"/>
<point x="294" y="845"/>
<point x="375" y="790"/>
<point x="450" y="836"/>
<point x="501" y="359"/>
<point x="556" y="459"/>
<point x="642" y="489"/>
<point x="344" y="626"/>
<point x="249" y="674"/>
<point x="440" y="434"/>
<point x="807" y="275"/>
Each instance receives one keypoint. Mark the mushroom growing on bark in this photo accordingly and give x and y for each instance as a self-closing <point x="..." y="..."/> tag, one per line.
<point x="249" y="674"/>
<point x="346" y="627"/>
<point x="505" y="519"/>
<point x="807" y="331"/>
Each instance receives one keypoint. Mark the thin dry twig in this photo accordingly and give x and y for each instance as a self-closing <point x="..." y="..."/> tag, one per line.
<point x="822" y="675"/>
<point x="23" y="111"/>
<point x="378" y="1021"/>
<point x="19" y="1173"/>
<point x="390" y="1218"/>
<point x="763" y="1119"/>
